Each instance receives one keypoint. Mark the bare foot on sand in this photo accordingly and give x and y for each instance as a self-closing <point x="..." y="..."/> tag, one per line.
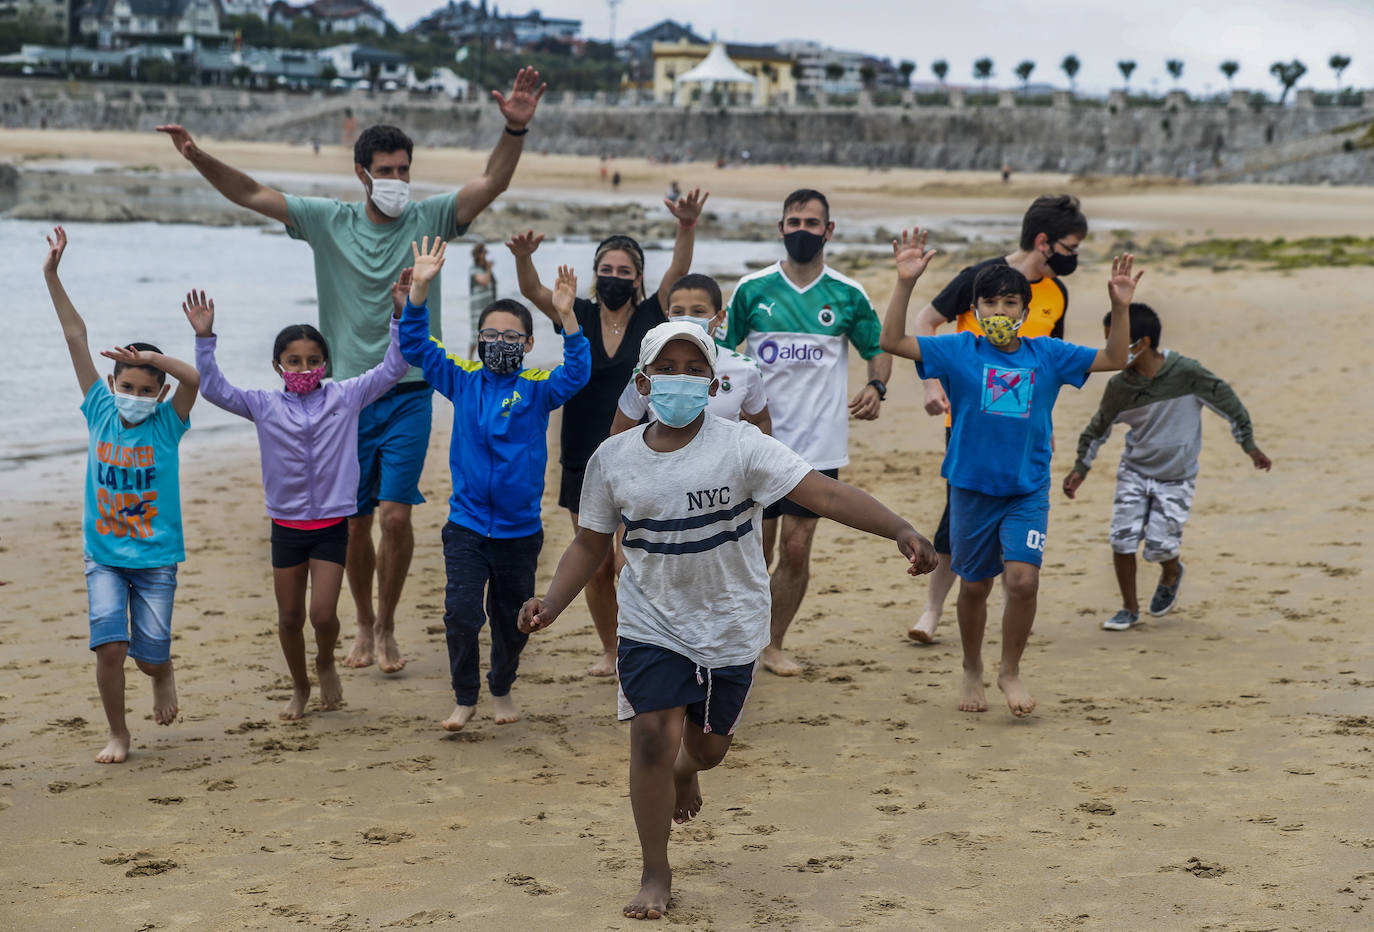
<point x="460" y="716"/>
<point x="1018" y="697"/>
<point x="652" y="900"/>
<point x="923" y="632"/>
<point x="116" y="752"/>
<point x="360" y="655"/>
<point x="688" y="802"/>
<point x="503" y="710"/>
<point x="605" y="666"/>
<point x="300" y="695"/>
<point x="164" y="700"/>
<point x="775" y="661"/>
<point x="971" y="697"/>
<point x="331" y="690"/>
<point x="389" y="658"/>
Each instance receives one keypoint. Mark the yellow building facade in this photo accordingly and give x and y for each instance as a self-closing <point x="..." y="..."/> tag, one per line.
<point x="672" y="59"/>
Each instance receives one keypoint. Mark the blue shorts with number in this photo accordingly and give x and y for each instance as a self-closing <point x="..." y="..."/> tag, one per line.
<point x="987" y="530"/>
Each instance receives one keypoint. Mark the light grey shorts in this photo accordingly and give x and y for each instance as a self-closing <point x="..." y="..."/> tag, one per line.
<point x="1149" y="510"/>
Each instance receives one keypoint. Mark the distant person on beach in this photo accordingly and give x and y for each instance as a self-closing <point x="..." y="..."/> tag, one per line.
<point x="690" y="488"/>
<point x="615" y="319"/>
<point x="481" y="292"/>
<point x="1006" y="172"/>
<point x="308" y="435"/>
<point x="615" y="181"/>
<point x="131" y="524"/>
<point x="1051" y="231"/>
<point x="800" y="317"/>
<point x="1160" y="396"/>
<point x="1002" y="388"/>
<point x="497" y="459"/>
<point x="360" y="249"/>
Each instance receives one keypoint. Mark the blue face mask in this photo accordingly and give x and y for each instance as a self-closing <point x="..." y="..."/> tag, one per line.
<point x="703" y="322"/>
<point x="678" y="399"/>
<point x="134" y="409"/>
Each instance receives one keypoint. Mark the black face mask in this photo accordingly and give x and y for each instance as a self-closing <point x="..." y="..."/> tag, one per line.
<point x="1060" y="264"/>
<point x="499" y="357"/>
<point x="802" y="245"/>
<point x="614" y="292"/>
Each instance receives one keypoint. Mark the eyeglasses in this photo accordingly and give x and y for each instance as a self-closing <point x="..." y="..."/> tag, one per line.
<point x="1071" y="250"/>
<point x="491" y="335"/>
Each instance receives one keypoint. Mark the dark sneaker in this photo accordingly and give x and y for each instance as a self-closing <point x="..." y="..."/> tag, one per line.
<point x="1121" y="621"/>
<point x="1166" y="596"/>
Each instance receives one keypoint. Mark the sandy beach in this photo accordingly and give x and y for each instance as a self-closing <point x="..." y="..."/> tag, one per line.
<point x="1207" y="770"/>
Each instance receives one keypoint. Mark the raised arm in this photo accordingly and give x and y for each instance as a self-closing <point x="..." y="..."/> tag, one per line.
<point x="687" y="209"/>
<point x="73" y="327"/>
<point x="518" y="109"/>
<point x="842" y="502"/>
<point x="232" y="183"/>
<point x="188" y="379"/>
<point x="911" y="258"/>
<point x="200" y="313"/>
<point x="522" y="247"/>
<point x="575" y="569"/>
<point x="1121" y="289"/>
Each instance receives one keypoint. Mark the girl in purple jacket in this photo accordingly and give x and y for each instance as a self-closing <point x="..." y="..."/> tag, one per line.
<point x="308" y="433"/>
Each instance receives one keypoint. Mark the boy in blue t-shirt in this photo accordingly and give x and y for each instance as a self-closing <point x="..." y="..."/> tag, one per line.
<point x="1002" y="390"/>
<point x="131" y="528"/>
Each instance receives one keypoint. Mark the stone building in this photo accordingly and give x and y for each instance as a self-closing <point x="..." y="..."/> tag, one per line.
<point x="121" y="23"/>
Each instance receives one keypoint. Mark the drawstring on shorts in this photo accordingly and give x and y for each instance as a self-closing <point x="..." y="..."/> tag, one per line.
<point x="706" y="715"/>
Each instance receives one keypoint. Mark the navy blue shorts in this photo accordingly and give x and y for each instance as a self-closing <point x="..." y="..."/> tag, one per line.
<point x="653" y="678"/>
<point x="986" y="530"/>
<point x="393" y="437"/>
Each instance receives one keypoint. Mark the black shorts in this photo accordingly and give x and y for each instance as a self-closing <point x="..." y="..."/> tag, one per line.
<point x="785" y="506"/>
<point x="570" y="488"/>
<point x="652" y="678"/>
<point x="292" y="547"/>
<point x="941" y="540"/>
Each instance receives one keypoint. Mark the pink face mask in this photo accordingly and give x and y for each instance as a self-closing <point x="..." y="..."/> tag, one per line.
<point x="302" y="382"/>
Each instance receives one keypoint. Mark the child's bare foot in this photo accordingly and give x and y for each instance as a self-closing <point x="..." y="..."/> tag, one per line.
<point x="461" y="715"/>
<point x="504" y="710"/>
<point x="164" y="700"/>
<point x="300" y="695"/>
<point x="775" y="661"/>
<point x="652" y="900"/>
<point x="360" y="655"/>
<point x="688" y="802"/>
<point x="923" y="632"/>
<point x="605" y="666"/>
<point x="1018" y="697"/>
<point x="389" y="658"/>
<point x="116" y="752"/>
<point x="971" y="697"/>
<point x="331" y="690"/>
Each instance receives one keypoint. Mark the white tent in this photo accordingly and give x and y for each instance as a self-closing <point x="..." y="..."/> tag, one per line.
<point x="717" y="68"/>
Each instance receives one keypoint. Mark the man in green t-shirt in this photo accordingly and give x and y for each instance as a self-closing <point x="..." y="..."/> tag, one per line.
<point x="360" y="249"/>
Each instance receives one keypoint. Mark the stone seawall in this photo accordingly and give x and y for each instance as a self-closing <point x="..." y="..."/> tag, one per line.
<point x="1302" y="143"/>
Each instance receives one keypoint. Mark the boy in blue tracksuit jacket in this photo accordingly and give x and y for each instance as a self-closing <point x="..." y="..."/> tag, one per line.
<point x="497" y="457"/>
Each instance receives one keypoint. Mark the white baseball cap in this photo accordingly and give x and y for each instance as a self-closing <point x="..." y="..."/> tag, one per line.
<point x="657" y="338"/>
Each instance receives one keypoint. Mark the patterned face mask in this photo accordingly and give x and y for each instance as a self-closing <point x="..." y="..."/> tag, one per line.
<point x="302" y="382"/>
<point x="501" y="358"/>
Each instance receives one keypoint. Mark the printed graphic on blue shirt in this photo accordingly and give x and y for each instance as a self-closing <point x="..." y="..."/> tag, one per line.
<point x="1008" y="391"/>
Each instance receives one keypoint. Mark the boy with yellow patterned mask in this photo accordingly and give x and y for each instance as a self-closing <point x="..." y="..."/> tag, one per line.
<point x="1001" y="300"/>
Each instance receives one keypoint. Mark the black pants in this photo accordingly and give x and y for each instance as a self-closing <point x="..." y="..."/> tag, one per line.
<point x="505" y="569"/>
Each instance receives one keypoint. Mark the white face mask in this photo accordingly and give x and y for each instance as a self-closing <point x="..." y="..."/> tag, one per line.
<point x="389" y="195"/>
<point x="134" y="408"/>
<point x="1132" y="355"/>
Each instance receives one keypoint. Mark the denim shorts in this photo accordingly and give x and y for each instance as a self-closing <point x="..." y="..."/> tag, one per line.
<point x="134" y="606"/>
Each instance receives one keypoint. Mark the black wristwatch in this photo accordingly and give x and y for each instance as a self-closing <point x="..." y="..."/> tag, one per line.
<point x="881" y="387"/>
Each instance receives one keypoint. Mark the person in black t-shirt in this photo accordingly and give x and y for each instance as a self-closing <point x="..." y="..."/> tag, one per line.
<point x="615" y="320"/>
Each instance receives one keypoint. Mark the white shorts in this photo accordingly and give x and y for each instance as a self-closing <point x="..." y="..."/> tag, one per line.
<point x="1149" y="510"/>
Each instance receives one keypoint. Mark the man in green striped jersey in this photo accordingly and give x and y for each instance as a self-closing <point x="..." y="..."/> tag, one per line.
<point x="798" y="318"/>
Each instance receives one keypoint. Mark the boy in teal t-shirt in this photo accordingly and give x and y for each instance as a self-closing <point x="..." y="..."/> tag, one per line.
<point x="131" y="528"/>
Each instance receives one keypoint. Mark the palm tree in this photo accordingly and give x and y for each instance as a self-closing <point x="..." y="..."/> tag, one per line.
<point x="941" y="68"/>
<point x="1175" y="68"/>
<point x="982" y="69"/>
<point x="1126" y="68"/>
<point x="1070" y="64"/>
<point x="907" y="68"/>
<point x="1339" y="63"/>
<point x="1023" y="71"/>
<point x="1287" y="75"/>
<point x="1229" y="68"/>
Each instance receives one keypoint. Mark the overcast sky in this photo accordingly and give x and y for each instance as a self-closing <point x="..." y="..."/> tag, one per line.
<point x="1255" y="33"/>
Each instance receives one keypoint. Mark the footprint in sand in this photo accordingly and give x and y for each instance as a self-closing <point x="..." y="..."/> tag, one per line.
<point x="382" y="836"/>
<point x="166" y="800"/>
<point x="220" y="786"/>
<point x="150" y="868"/>
<point x="529" y="885"/>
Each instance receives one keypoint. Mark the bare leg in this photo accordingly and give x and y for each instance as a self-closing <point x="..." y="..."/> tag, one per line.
<point x="604" y="609"/>
<point x="326" y="579"/>
<point x="1169" y="571"/>
<point x="655" y="741"/>
<point x="972" y="609"/>
<point x="699" y="752"/>
<point x="164" y="690"/>
<point x="770" y="539"/>
<point x="109" y="678"/>
<point x="393" y="563"/>
<point x="289" y="584"/>
<point x="1020" y="585"/>
<point x="362" y="563"/>
<point x="1124" y="564"/>
<point x="788" y="584"/>
<point x="941" y="581"/>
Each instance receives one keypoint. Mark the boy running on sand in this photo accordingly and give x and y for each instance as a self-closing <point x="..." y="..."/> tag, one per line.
<point x="690" y="489"/>
<point x="1002" y="389"/>
<point x="131" y="529"/>
<point x="1160" y="396"/>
